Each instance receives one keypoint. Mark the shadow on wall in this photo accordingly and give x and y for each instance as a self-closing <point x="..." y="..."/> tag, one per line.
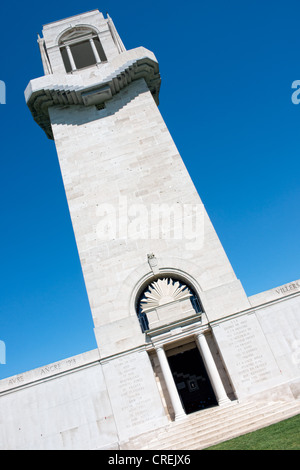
<point x="79" y="114"/>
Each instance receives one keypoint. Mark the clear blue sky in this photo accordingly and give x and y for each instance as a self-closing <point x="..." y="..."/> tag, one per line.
<point x="238" y="134"/>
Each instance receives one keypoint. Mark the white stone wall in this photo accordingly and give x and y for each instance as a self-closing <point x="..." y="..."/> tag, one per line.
<point x="61" y="406"/>
<point x="261" y="347"/>
<point x="134" y="394"/>
<point x="280" y="323"/>
<point x="80" y="403"/>
<point x="117" y="164"/>
<point x="84" y="402"/>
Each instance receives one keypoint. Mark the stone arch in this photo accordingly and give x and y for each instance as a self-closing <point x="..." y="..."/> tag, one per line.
<point x="164" y="290"/>
<point x="131" y="287"/>
<point x="143" y="274"/>
<point x="67" y="32"/>
<point x="80" y="47"/>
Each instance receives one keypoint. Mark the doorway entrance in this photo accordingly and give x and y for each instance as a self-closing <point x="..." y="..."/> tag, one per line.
<point x="192" y="381"/>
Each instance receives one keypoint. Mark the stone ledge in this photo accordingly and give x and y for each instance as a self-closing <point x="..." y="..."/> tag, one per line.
<point x="71" y="364"/>
<point x="277" y="293"/>
<point x="93" y="86"/>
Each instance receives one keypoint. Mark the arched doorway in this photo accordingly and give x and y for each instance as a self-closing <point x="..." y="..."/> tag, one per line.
<point x="191" y="380"/>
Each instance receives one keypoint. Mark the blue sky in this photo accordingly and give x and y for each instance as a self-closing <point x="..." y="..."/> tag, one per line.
<point x="227" y="70"/>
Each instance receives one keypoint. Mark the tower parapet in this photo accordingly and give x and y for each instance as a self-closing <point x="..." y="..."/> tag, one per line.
<point x="85" y="63"/>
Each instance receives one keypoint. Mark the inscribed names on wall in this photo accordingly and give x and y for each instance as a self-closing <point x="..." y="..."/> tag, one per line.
<point x="133" y="394"/>
<point x="247" y="355"/>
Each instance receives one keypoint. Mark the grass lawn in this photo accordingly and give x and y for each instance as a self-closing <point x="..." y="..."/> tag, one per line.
<point x="280" y="436"/>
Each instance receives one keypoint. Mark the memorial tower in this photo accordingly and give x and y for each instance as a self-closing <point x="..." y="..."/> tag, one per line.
<point x="156" y="274"/>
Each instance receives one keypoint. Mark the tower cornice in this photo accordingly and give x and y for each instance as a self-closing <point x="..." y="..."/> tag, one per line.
<point x="92" y="86"/>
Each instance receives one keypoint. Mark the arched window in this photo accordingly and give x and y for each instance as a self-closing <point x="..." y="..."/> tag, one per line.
<point x="80" y="48"/>
<point x="163" y="291"/>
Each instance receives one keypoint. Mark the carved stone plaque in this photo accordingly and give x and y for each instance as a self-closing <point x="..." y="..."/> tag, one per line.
<point x="134" y="395"/>
<point x="247" y="355"/>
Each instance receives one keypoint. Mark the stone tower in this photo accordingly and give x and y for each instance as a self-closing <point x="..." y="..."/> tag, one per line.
<point x="157" y="277"/>
<point x="175" y="331"/>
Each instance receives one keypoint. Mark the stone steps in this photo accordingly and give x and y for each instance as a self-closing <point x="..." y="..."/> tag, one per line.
<point x="234" y="427"/>
<point x="208" y="427"/>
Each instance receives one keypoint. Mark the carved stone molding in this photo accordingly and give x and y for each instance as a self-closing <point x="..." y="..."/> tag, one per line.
<point x="79" y="89"/>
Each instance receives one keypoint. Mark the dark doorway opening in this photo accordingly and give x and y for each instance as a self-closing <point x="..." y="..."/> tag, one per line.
<point x="192" y="381"/>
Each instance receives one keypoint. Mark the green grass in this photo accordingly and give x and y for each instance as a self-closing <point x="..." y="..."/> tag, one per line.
<point x="280" y="436"/>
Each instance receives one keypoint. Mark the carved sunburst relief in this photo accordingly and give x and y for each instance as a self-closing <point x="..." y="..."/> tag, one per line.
<point x="164" y="291"/>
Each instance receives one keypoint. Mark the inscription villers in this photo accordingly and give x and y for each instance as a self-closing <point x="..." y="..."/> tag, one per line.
<point x="288" y="288"/>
